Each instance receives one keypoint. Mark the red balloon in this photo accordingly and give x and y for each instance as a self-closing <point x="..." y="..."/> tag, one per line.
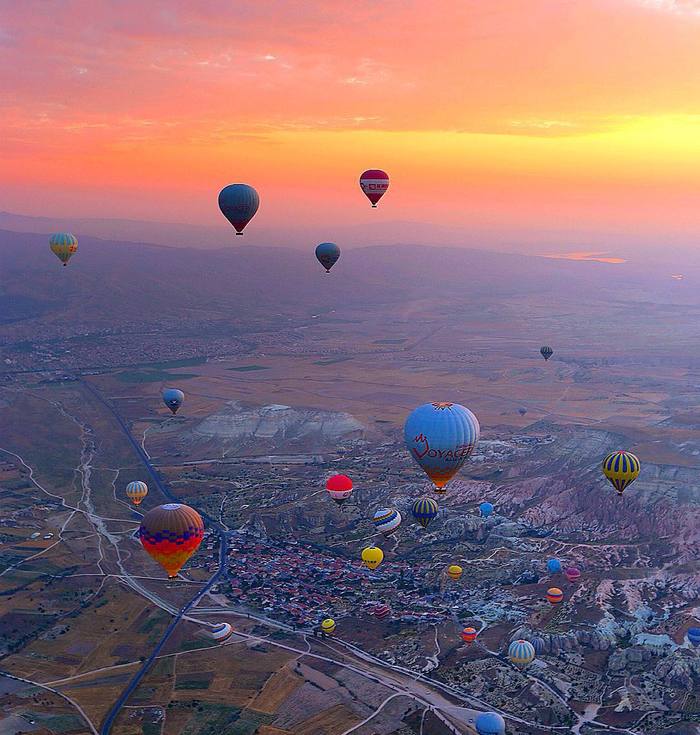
<point x="374" y="184"/>
<point x="339" y="487"/>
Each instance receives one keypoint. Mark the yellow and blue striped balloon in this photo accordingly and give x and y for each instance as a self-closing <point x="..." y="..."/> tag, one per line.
<point x="521" y="653"/>
<point x="387" y="520"/>
<point x="424" y="510"/>
<point x="622" y="469"/>
<point x="63" y="245"/>
<point x="136" y="491"/>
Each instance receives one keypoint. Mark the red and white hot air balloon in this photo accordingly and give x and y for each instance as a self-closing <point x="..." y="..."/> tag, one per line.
<point x="374" y="184"/>
<point x="339" y="487"/>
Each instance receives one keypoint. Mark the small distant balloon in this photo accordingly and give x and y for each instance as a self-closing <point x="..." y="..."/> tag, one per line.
<point x="546" y="352"/>
<point x="63" y="245"/>
<point x="522" y="410"/>
<point x="424" y="510"/>
<point x="221" y="632"/>
<point x="381" y="611"/>
<point x="327" y="254"/>
<point x="486" y="509"/>
<point x="694" y="636"/>
<point x="239" y="203"/>
<point x="554" y="595"/>
<point x="572" y="574"/>
<point x="372" y="557"/>
<point x="328" y="626"/>
<point x="622" y="469"/>
<point x="554" y="566"/>
<point x="521" y="653"/>
<point x="173" y="398"/>
<point x="136" y="491"/>
<point x="387" y="520"/>
<point x="454" y="572"/>
<point x="490" y="723"/>
<point x="374" y="184"/>
<point x="339" y="488"/>
<point x="469" y="635"/>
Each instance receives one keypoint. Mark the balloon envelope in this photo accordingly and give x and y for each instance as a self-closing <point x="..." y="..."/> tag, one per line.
<point x="372" y="556"/>
<point x="490" y="723"/>
<point x="171" y="533"/>
<point x="173" y="398"/>
<point x="339" y="488"/>
<point x="554" y="566"/>
<point x="381" y="612"/>
<point x="424" y="510"/>
<point x="63" y="245"/>
<point x="469" y="635"/>
<point x="239" y="203"/>
<point x="328" y="625"/>
<point x="387" y="520"/>
<point x="521" y="653"/>
<point x="486" y="509"/>
<point x="440" y="437"/>
<point x="694" y="636"/>
<point x="327" y="254"/>
<point x="622" y="469"/>
<point x="546" y="352"/>
<point x="572" y="573"/>
<point x="374" y="184"/>
<point x="136" y="491"/>
<point x="554" y="595"/>
<point x="454" y="571"/>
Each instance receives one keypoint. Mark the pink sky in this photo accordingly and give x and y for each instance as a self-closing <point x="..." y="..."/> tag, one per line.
<point x="579" y="116"/>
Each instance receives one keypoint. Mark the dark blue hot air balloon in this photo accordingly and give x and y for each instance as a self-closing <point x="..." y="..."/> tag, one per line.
<point x="424" y="510"/>
<point x="239" y="203"/>
<point x="554" y="566"/>
<point x="173" y="398"/>
<point x="486" y="509"/>
<point x="694" y="636"/>
<point x="327" y="254"/>
<point x="490" y="723"/>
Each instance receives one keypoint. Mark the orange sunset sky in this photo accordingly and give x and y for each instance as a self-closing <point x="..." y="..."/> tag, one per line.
<point x="578" y="115"/>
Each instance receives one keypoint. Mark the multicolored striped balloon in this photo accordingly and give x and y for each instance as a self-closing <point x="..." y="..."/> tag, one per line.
<point x="424" y="510"/>
<point x="469" y="635"/>
<point x="554" y="595"/>
<point x="622" y="469"/>
<point x="387" y="520"/>
<point x="136" y="491"/>
<point x="440" y="437"/>
<point x="374" y="184"/>
<point x="521" y="653"/>
<point x="381" y="611"/>
<point x="63" y="245"/>
<point x="170" y="534"/>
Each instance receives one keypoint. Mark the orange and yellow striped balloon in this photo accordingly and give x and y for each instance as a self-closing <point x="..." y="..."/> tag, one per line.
<point x="171" y="533"/>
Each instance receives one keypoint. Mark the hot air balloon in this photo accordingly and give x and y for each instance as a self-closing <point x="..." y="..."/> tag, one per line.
<point x="554" y="595"/>
<point x="173" y="398"/>
<point x="454" y="571"/>
<point x="424" y="510"/>
<point x="63" y="245"/>
<point x="538" y="644"/>
<point x="522" y="410"/>
<point x="171" y="533"/>
<point x="381" y="611"/>
<point x="554" y="566"/>
<point x="387" y="520"/>
<point x="572" y="574"/>
<point x="490" y="723"/>
<point x="239" y="203"/>
<point x="546" y="352"/>
<point x="521" y="653"/>
<point x="694" y="636"/>
<point x="622" y="469"/>
<point x="372" y="557"/>
<point x="136" y="491"/>
<point x="469" y="635"/>
<point x="328" y="626"/>
<point x="327" y="254"/>
<point x="486" y="509"/>
<point x="374" y="184"/>
<point x="339" y="488"/>
<point x="221" y="632"/>
<point x="440" y="437"/>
